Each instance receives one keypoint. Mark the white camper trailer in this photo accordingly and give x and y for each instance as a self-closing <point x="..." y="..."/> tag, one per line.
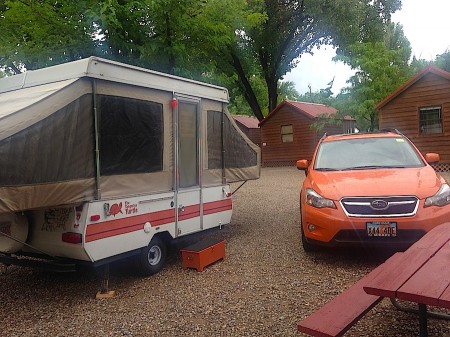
<point x="100" y="160"/>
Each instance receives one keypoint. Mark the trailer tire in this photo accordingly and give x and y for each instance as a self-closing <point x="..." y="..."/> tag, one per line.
<point x="153" y="257"/>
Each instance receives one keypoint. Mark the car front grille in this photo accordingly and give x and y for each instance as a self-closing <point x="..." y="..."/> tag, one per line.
<point x="380" y="206"/>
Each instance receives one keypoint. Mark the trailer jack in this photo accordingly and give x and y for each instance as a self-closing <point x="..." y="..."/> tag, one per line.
<point x="105" y="292"/>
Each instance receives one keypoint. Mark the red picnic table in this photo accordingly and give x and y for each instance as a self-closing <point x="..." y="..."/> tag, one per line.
<point x="421" y="275"/>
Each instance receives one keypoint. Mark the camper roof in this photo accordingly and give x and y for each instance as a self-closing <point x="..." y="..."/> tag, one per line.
<point x="95" y="67"/>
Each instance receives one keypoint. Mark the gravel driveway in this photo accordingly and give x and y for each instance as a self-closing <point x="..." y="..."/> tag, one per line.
<point x="264" y="287"/>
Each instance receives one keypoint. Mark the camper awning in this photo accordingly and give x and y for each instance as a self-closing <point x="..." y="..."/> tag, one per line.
<point x="23" y="108"/>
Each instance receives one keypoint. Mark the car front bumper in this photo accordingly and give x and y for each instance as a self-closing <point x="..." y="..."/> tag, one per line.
<point x="333" y="227"/>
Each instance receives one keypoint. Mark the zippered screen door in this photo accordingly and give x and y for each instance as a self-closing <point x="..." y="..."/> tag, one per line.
<point x="188" y="155"/>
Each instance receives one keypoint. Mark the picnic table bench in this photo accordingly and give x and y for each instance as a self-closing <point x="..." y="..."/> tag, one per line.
<point x="421" y="274"/>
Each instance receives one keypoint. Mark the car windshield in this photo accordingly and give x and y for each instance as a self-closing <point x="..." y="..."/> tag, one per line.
<point x="366" y="153"/>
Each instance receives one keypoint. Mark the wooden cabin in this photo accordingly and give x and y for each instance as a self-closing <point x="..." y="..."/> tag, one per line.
<point x="250" y="126"/>
<point x="287" y="134"/>
<point x="420" y="109"/>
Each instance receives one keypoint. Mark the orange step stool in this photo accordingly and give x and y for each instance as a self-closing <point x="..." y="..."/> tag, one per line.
<point x="202" y="254"/>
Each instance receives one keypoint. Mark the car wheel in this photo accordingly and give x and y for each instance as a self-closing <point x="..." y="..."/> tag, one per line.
<point x="152" y="258"/>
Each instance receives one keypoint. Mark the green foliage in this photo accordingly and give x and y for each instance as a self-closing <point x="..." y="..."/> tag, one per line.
<point x="381" y="67"/>
<point x="443" y="61"/>
<point x="247" y="45"/>
<point x="287" y="91"/>
<point x="292" y="28"/>
<point x="36" y="34"/>
<point x="323" y="96"/>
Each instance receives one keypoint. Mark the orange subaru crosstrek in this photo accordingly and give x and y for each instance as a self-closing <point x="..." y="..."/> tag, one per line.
<point x="370" y="189"/>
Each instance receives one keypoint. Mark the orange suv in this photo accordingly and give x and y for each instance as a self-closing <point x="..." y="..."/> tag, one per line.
<point x="370" y="189"/>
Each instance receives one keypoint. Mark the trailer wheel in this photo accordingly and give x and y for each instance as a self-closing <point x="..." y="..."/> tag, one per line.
<point x="153" y="257"/>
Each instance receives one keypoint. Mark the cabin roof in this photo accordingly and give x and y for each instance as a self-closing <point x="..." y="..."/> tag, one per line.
<point x="250" y="122"/>
<point x="311" y="110"/>
<point x="430" y="69"/>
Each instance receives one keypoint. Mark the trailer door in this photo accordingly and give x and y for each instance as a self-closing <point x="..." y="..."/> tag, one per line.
<point x="188" y="166"/>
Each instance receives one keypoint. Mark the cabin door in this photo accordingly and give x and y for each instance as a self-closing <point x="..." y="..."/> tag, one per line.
<point x="189" y="207"/>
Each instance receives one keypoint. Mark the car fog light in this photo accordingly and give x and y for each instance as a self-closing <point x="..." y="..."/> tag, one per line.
<point x="312" y="227"/>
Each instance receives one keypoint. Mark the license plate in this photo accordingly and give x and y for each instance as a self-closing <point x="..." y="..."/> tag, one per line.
<point x="381" y="229"/>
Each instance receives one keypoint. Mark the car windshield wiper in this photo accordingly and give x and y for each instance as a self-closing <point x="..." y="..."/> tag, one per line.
<point x="327" y="169"/>
<point x="368" y="167"/>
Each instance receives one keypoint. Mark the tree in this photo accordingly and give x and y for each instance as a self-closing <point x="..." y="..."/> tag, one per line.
<point x="381" y="67"/>
<point x="322" y="96"/>
<point x="291" y="28"/>
<point x="162" y="35"/>
<point x="235" y="42"/>
<point x="286" y="90"/>
<point x="239" y="106"/>
<point x="36" y="34"/>
<point x="443" y="61"/>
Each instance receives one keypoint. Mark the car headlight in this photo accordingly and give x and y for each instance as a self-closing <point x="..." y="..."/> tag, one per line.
<point x="316" y="200"/>
<point x="441" y="198"/>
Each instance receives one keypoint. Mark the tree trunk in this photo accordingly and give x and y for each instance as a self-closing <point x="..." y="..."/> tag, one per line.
<point x="249" y="94"/>
<point x="171" y="56"/>
<point x="272" y="91"/>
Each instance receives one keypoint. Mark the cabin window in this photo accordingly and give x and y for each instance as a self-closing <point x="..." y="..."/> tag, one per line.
<point x="287" y="134"/>
<point x="131" y="136"/>
<point x="430" y="120"/>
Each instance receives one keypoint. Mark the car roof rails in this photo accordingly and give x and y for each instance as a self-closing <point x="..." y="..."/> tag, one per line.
<point x="392" y="130"/>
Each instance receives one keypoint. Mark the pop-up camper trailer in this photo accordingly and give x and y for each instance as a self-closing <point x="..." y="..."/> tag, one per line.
<point x="100" y="160"/>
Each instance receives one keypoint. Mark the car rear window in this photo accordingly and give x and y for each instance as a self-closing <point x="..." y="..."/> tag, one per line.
<point x="366" y="153"/>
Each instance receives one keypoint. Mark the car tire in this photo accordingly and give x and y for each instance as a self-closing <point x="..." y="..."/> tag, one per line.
<point x="152" y="258"/>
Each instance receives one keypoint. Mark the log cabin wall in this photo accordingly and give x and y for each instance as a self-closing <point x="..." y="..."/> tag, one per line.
<point x="402" y="112"/>
<point x="287" y="134"/>
<point x="275" y="152"/>
<point x="249" y="126"/>
<point x="253" y="134"/>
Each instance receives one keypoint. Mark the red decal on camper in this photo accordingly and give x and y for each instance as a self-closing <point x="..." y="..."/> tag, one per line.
<point x="115" y="209"/>
<point x="217" y="206"/>
<point x="103" y="230"/>
<point x="189" y="212"/>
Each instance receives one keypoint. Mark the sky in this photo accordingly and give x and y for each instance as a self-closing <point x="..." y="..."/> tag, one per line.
<point x="425" y="24"/>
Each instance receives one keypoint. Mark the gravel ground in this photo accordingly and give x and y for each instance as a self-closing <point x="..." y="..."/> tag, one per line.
<point x="264" y="287"/>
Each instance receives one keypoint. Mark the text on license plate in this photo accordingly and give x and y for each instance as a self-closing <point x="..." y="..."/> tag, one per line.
<point x="381" y="228"/>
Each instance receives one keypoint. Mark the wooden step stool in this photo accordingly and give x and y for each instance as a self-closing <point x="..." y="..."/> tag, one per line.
<point x="202" y="254"/>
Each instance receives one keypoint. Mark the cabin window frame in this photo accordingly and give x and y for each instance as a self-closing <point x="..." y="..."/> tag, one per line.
<point x="287" y="133"/>
<point x="426" y="129"/>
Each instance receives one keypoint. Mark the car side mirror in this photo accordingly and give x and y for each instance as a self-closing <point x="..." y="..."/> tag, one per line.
<point x="302" y="164"/>
<point x="432" y="158"/>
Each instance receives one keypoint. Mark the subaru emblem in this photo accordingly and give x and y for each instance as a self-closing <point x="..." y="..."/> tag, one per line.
<point x="379" y="204"/>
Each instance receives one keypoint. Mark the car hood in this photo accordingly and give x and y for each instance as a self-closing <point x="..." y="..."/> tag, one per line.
<point x="421" y="182"/>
